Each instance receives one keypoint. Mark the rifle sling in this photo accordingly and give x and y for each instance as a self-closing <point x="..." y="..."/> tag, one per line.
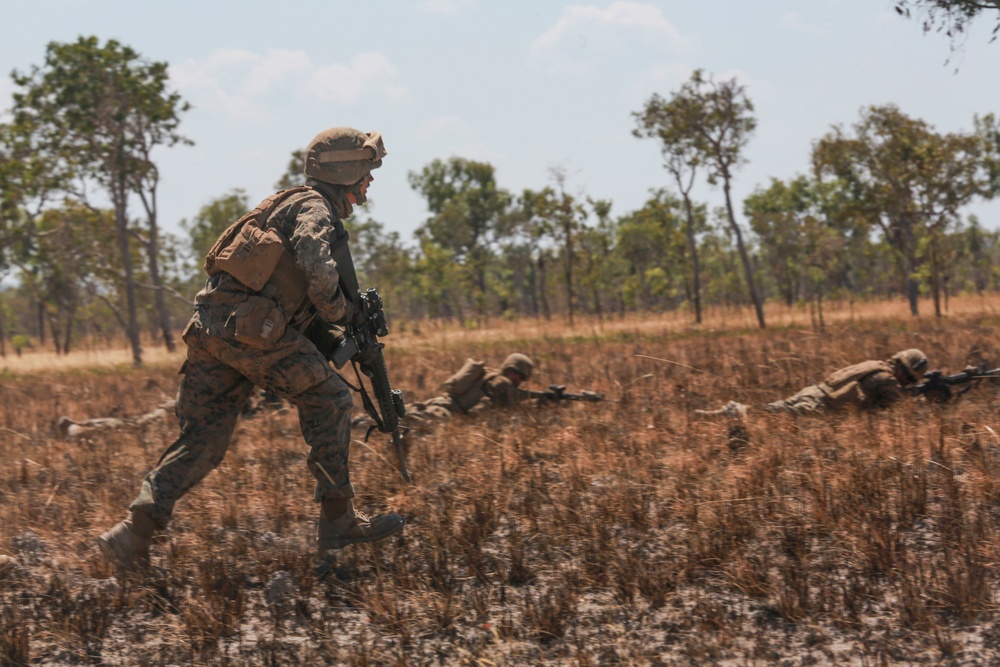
<point x="366" y="401"/>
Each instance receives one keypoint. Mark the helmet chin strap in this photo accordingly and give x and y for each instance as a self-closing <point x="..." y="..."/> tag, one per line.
<point x="355" y="189"/>
<point x="335" y="194"/>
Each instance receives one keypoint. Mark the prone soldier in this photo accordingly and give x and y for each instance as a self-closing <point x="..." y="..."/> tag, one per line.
<point x="866" y="385"/>
<point x="69" y="429"/>
<point x="473" y="388"/>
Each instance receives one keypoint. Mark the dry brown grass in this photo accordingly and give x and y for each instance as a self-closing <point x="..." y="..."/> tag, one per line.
<point x="618" y="533"/>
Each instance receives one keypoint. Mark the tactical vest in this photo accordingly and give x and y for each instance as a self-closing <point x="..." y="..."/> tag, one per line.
<point x="466" y="386"/>
<point x="261" y="257"/>
<point x="844" y="386"/>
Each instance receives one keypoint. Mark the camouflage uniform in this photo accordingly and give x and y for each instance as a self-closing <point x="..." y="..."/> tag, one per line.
<point x="163" y="413"/>
<point x="221" y="370"/>
<point x="494" y="390"/>
<point x="70" y="429"/>
<point x="869" y="384"/>
<point x="273" y="289"/>
<point x="481" y="389"/>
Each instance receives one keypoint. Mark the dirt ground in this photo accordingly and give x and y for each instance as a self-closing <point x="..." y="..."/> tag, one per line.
<point x="631" y="531"/>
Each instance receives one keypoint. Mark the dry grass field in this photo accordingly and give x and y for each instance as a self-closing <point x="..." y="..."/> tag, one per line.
<point x="629" y="532"/>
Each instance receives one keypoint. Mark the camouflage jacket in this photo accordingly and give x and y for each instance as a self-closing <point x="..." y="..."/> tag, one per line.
<point x="309" y="223"/>
<point x="868" y="384"/>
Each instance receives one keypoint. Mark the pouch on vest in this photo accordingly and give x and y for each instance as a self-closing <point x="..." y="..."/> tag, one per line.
<point x="849" y="393"/>
<point x="258" y="322"/>
<point x="251" y="256"/>
<point x="855" y="373"/>
<point x="465" y="379"/>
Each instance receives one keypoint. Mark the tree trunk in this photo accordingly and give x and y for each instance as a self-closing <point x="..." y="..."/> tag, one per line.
<point x="936" y="284"/>
<point x="912" y="295"/>
<point x="132" y="325"/>
<point x="567" y="230"/>
<point x="40" y="315"/>
<point x="542" y="291"/>
<point x="3" y="330"/>
<point x="744" y="257"/>
<point x="695" y="265"/>
<point x="153" y="252"/>
<point x="68" y="330"/>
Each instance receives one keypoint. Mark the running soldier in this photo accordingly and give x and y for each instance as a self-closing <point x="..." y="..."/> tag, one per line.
<point x="273" y="288"/>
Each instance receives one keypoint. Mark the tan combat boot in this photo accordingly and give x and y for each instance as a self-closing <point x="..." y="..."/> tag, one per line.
<point x="352" y="527"/>
<point x="127" y="543"/>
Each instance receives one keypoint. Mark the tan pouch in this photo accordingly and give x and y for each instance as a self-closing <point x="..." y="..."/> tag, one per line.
<point x="251" y="256"/>
<point x="258" y="322"/>
<point x="845" y="395"/>
<point x="471" y="372"/>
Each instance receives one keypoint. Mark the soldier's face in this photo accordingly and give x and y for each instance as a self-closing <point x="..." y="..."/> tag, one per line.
<point x="514" y="377"/>
<point x="902" y="374"/>
<point x="363" y="188"/>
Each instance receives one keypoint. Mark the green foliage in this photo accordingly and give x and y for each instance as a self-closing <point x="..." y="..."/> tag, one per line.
<point x="466" y="207"/>
<point x="294" y="174"/>
<point x="705" y="123"/>
<point x="213" y="218"/>
<point x="907" y="179"/>
<point x="21" y="342"/>
<point x="92" y="115"/>
<point x="952" y="17"/>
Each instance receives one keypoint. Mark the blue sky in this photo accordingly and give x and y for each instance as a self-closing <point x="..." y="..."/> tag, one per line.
<point x="527" y="86"/>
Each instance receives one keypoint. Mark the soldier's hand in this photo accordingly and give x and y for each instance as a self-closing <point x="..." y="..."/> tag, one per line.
<point x="352" y="314"/>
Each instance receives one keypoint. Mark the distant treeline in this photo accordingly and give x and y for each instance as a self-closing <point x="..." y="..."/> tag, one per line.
<point x="879" y="215"/>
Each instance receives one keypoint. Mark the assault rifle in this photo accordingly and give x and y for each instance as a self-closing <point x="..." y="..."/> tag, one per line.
<point x="938" y="387"/>
<point x="361" y="346"/>
<point x="557" y="392"/>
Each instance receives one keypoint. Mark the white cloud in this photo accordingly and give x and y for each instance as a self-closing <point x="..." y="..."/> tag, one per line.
<point x="276" y="65"/>
<point x="442" y="127"/>
<point x="585" y="34"/>
<point x="229" y="79"/>
<point x="793" y="21"/>
<point x="347" y="83"/>
<point x="445" y="6"/>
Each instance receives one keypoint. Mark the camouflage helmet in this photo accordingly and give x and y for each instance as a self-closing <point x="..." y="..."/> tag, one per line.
<point x="913" y="360"/>
<point x="343" y="155"/>
<point x="520" y="363"/>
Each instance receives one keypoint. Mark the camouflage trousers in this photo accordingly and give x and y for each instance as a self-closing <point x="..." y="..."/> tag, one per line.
<point x="439" y="408"/>
<point x="810" y="399"/>
<point x="219" y="376"/>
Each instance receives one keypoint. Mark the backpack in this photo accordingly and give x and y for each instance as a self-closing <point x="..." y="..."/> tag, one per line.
<point x="464" y="386"/>
<point x="246" y="250"/>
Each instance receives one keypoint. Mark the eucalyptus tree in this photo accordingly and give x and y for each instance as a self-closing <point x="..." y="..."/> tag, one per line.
<point x="709" y="123"/>
<point x="466" y="205"/>
<point x="653" y="245"/>
<point x="29" y="185"/>
<point x="673" y="123"/>
<point x="804" y="233"/>
<point x="97" y="112"/>
<point x="910" y="181"/>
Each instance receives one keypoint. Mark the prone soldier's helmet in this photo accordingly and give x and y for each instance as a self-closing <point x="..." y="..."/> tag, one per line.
<point x="913" y="360"/>
<point x="343" y="155"/>
<point x="520" y="363"/>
